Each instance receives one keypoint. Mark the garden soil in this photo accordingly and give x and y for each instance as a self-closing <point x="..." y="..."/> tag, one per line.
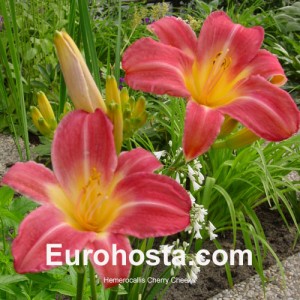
<point x="212" y="279"/>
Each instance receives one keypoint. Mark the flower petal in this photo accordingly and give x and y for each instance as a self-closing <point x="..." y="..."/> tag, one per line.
<point x="83" y="142"/>
<point x="152" y="205"/>
<point x="30" y="179"/>
<point x="177" y="33"/>
<point x="111" y="274"/>
<point x="43" y="226"/>
<point x="135" y="161"/>
<point x="265" y="109"/>
<point x="201" y="128"/>
<point x="267" y="65"/>
<point x="220" y="35"/>
<point x="154" y="67"/>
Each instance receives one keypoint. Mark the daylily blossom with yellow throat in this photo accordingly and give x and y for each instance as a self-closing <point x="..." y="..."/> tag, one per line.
<point x="93" y="198"/>
<point x="222" y="73"/>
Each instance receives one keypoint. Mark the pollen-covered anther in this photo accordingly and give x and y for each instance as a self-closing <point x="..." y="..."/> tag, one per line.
<point x="222" y="60"/>
<point x="217" y="56"/>
<point x="89" y="201"/>
<point x="226" y="62"/>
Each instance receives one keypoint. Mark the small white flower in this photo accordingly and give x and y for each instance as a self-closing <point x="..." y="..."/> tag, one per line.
<point x="198" y="166"/>
<point x="166" y="248"/>
<point x="193" y="200"/>
<point x="192" y="277"/>
<point x="213" y="236"/>
<point x="196" y="186"/>
<point x="177" y="178"/>
<point x="159" y="154"/>
<point x="211" y="229"/>
<point x="198" y="235"/>
<point x="185" y="245"/>
<point x="191" y="171"/>
<point x="195" y="269"/>
<point x="192" y="263"/>
<point x="197" y="226"/>
<point x="176" y="243"/>
<point x="201" y="213"/>
<point x="176" y="261"/>
<point x="170" y="143"/>
<point x="189" y="229"/>
<point x="192" y="175"/>
<point x="211" y="226"/>
<point x="200" y="177"/>
<point x="179" y="150"/>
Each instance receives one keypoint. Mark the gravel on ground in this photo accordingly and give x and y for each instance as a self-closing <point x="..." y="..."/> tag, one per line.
<point x="275" y="289"/>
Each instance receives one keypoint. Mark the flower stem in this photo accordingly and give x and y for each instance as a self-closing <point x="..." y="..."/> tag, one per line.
<point x="92" y="281"/>
<point x="80" y="278"/>
<point x="113" y="295"/>
<point x="3" y="236"/>
<point x="178" y="162"/>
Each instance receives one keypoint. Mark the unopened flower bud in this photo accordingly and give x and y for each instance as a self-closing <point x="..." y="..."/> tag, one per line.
<point x="40" y="123"/>
<point x="114" y="111"/>
<point x="80" y="83"/>
<point x="228" y="126"/>
<point x="46" y="110"/>
<point x="242" y="138"/>
<point x="139" y="107"/>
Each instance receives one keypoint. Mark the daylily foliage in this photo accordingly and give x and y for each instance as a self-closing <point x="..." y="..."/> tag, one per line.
<point x="93" y="198"/>
<point x="222" y="73"/>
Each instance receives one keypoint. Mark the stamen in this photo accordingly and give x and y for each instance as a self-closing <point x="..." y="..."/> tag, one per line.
<point x="217" y="56"/>
<point x="88" y="199"/>
<point x="219" y="64"/>
<point x="94" y="209"/>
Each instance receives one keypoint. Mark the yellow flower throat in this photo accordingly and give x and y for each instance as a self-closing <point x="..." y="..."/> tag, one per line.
<point x="210" y="83"/>
<point x="94" y="208"/>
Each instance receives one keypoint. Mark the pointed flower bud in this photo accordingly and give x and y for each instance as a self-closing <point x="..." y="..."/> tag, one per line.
<point x="43" y="117"/>
<point x="40" y="123"/>
<point x="139" y="107"/>
<point x="67" y="109"/>
<point x="131" y="103"/>
<point x="124" y="97"/>
<point x="228" y="126"/>
<point x="81" y="86"/>
<point x="114" y="110"/>
<point x="112" y="90"/>
<point x="242" y="138"/>
<point x="134" y="115"/>
<point x="46" y="110"/>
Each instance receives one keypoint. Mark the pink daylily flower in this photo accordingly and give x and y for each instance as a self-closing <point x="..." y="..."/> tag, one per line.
<point x="92" y="198"/>
<point x="223" y="72"/>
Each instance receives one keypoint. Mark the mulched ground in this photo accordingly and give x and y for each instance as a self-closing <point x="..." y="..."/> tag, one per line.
<point x="212" y="279"/>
